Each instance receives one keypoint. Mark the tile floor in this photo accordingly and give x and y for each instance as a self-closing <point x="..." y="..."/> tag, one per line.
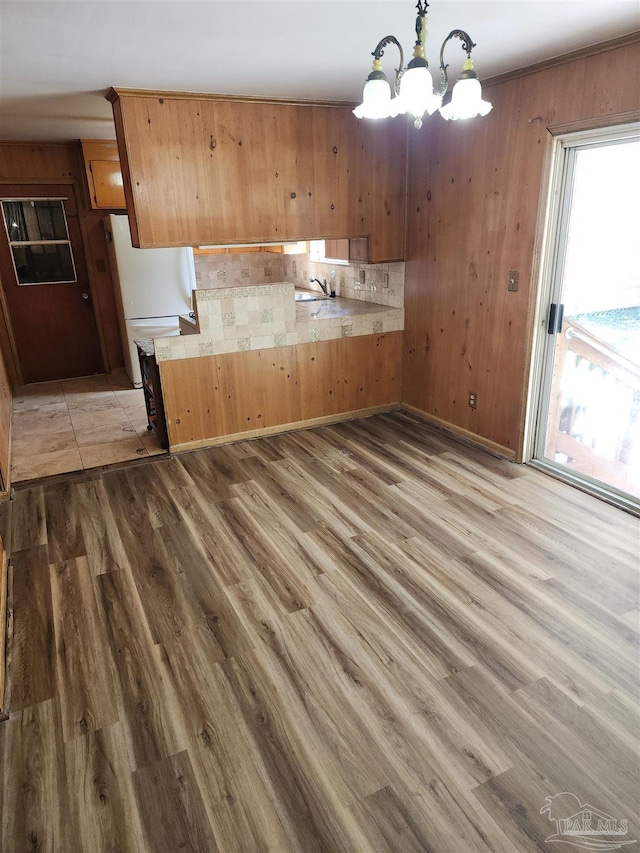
<point x="78" y="423"/>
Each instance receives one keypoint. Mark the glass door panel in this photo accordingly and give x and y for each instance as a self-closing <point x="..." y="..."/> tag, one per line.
<point x="592" y="400"/>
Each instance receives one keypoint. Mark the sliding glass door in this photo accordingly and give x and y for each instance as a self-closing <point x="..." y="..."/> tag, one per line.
<point x="588" y="424"/>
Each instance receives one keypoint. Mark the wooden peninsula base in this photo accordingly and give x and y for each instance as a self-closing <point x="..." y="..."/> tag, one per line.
<point x="225" y="397"/>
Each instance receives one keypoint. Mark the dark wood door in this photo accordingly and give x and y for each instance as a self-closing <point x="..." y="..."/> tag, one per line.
<point x="44" y="273"/>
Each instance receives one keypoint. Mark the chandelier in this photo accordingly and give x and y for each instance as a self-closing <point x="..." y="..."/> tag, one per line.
<point x="413" y="89"/>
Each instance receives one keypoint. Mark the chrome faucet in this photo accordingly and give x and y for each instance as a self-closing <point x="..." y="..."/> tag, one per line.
<point x="323" y="285"/>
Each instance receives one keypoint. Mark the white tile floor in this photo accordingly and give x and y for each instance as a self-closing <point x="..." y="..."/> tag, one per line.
<point x="76" y="424"/>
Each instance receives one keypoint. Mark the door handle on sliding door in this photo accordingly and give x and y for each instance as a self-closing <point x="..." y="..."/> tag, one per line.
<point x="556" y="315"/>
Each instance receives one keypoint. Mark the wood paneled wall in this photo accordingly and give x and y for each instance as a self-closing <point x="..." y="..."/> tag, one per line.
<point x="472" y="216"/>
<point x="225" y="395"/>
<point x="62" y="163"/>
<point x="5" y="428"/>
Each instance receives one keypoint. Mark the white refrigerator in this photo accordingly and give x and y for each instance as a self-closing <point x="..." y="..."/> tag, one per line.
<point x="152" y="287"/>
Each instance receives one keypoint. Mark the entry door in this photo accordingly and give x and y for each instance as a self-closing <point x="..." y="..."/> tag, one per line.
<point x="589" y="419"/>
<point x="44" y="275"/>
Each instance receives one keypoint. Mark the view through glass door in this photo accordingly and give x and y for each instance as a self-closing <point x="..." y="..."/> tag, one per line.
<point x="589" y="416"/>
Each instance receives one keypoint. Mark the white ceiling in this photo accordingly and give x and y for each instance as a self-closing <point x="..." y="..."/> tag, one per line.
<point x="58" y="58"/>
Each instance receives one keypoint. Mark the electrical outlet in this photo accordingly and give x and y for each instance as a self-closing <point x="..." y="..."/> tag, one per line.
<point x="362" y="276"/>
<point x="514" y="278"/>
<point x="385" y="279"/>
<point x="295" y="269"/>
<point x="473" y="399"/>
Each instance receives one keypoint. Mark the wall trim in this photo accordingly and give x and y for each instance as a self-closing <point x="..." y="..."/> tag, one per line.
<point x="295" y="426"/>
<point x="553" y="62"/>
<point x="600" y="122"/>
<point x="461" y="433"/>
<point x="114" y="93"/>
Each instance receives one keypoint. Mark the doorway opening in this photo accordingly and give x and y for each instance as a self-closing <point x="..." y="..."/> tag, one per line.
<point x="587" y="425"/>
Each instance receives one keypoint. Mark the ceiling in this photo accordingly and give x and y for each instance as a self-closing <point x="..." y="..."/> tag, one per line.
<point x="58" y="58"/>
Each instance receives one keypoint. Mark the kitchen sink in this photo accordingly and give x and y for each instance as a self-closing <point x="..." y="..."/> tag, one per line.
<point x="305" y="296"/>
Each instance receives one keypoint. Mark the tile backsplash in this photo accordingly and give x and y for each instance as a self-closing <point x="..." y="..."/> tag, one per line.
<point x="245" y="269"/>
<point x="383" y="283"/>
<point x="379" y="283"/>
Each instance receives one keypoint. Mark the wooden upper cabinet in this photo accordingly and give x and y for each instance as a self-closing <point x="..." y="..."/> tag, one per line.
<point x="336" y="250"/>
<point x="204" y="170"/>
<point x="104" y="175"/>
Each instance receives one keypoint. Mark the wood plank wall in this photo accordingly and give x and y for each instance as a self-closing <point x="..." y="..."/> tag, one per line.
<point x="472" y="216"/>
<point x="226" y="395"/>
<point x="3" y="625"/>
<point x="62" y="163"/>
<point x="5" y="429"/>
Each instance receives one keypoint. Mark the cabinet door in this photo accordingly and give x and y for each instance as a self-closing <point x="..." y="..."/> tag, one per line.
<point x="212" y="170"/>
<point x="378" y="171"/>
<point x="104" y="175"/>
<point x="333" y="137"/>
<point x="336" y="250"/>
<point x="107" y="184"/>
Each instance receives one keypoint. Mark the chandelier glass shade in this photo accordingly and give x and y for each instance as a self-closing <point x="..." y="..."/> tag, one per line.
<point x="414" y="91"/>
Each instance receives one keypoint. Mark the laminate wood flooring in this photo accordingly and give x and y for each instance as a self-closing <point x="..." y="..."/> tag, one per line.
<point x="365" y="637"/>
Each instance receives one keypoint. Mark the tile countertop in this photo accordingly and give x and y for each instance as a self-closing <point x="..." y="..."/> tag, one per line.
<point x="237" y="319"/>
<point x="327" y="309"/>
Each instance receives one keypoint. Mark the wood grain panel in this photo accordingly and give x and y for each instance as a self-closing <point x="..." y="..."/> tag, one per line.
<point x="378" y="170"/>
<point x="4" y="580"/>
<point x="211" y="619"/>
<point x="28" y="522"/>
<point x="201" y="170"/>
<point x="150" y="728"/>
<point x="239" y="795"/>
<point x="229" y="394"/>
<point x="86" y="688"/>
<point x="170" y="787"/>
<point x="25" y="161"/>
<point x="103" y="809"/>
<point x="35" y="804"/>
<point x="472" y="216"/>
<point x="105" y="550"/>
<point x="6" y="399"/>
<point x="33" y="663"/>
<point x="65" y="539"/>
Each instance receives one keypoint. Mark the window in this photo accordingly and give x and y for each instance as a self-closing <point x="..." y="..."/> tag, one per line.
<point x="39" y="240"/>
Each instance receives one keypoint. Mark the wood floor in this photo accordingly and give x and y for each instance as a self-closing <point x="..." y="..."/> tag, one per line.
<point x="364" y="637"/>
